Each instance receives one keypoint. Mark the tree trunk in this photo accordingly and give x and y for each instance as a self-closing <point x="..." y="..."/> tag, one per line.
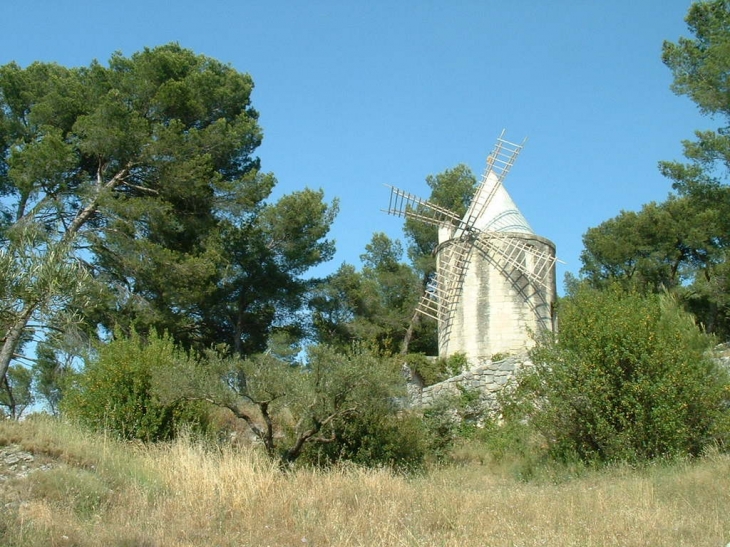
<point x="14" y="333"/>
<point x="5" y="384"/>
<point x="12" y="338"/>
<point x="415" y="320"/>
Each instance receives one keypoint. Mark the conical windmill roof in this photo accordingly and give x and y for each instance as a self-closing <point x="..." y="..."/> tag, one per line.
<point x="501" y="213"/>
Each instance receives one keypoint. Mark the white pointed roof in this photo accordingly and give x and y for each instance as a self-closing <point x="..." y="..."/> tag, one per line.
<point x="500" y="213"/>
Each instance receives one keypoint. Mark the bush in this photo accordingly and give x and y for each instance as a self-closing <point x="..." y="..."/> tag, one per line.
<point x="627" y="379"/>
<point x="114" y="391"/>
<point x="374" y="439"/>
<point x="346" y="400"/>
<point x="454" y="417"/>
<point x="435" y="370"/>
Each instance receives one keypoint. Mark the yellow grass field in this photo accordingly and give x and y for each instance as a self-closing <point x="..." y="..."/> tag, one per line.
<point x="96" y="491"/>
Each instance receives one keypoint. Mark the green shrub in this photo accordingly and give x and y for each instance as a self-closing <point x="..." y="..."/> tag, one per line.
<point x="627" y="379"/>
<point x="435" y="370"/>
<point x="114" y="391"/>
<point x="349" y="401"/>
<point x="454" y="417"/>
<point x="373" y="439"/>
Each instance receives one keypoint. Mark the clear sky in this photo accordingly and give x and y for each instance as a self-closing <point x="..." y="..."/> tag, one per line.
<point x="356" y="94"/>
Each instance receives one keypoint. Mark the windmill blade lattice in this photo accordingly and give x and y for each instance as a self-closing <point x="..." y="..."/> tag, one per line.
<point x="515" y="253"/>
<point x="403" y="204"/>
<point x="444" y="289"/>
<point x="499" y="163"/>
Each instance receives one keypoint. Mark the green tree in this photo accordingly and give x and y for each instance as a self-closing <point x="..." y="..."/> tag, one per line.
<point x="700" y="65"/>
<point x="262" y="289"/>
<point x="372" y="306"/>
<point x="671" y="246"/>
<point x="114" y="392"/>
<point x="289" y="407"/>
<point x="662" y="247"/>
<point x="143" y="172"/>
<point x="628" y="378"/>
<point x="38" y="279"/>
<point x="54" y="367"/>
<point x="15" y="391"/>
<point x="334" y="304"/>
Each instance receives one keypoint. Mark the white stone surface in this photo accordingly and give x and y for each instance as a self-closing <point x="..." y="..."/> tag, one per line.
<point x="499" y="307"/>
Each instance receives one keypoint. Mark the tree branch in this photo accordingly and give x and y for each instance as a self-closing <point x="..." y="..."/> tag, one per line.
<point x="85" y="214"/>
<point x="141" y="188"/>
<point x="295" y="451"/>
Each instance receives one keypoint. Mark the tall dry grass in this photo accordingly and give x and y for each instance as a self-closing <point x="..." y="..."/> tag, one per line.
<point x="188" y="494"/>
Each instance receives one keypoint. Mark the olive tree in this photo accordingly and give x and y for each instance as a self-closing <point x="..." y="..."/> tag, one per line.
<point x="286" y="406"/>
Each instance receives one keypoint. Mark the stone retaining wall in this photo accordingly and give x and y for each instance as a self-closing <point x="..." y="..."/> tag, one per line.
<point x="489" y="378"/>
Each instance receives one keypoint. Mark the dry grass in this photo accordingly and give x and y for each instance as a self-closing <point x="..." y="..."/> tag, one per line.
<point x="183" y="494"/>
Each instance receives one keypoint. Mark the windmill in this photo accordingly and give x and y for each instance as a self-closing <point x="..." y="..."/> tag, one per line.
<point x="495" y="278"/>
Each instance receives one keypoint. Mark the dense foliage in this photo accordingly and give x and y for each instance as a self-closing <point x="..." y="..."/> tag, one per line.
<point x="115" y="391"/>
<point x="373" y="305"/>
<point x="290" y="406"/>
<point x="16" y="393"/>
<point x="628" y="378"/>
<point x="132" y="199"/>
<point x="683" y="244"/>
<point x="432" y="370"/>
<point x="376" y="437"/>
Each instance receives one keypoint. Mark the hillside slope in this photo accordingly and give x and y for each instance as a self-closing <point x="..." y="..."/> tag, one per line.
<point x="86" y="490"/>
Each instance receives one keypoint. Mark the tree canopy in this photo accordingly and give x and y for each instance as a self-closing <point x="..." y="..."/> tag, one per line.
<point x="373" y="305"/>
<point x="452" y="189"/>
<point x="377" y="304"/>
<point x="142" y="175"/>
<point x="683" y="244"/>
<point x="627" y="378"/>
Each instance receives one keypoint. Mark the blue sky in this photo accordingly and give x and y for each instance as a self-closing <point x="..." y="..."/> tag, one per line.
<point x="354" y="95"/>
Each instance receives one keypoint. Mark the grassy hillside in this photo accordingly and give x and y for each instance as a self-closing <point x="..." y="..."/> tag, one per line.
<point x="85" y="490"/>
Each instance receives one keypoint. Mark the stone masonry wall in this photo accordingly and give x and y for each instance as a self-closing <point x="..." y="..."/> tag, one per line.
<point x="489" y="378"/>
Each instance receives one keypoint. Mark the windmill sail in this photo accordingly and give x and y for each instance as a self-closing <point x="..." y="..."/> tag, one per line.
<point x="499" y="163"/>
<point x="403" y="204"/>
<point x="530" y="261"/>
<point x="444" y="289"/>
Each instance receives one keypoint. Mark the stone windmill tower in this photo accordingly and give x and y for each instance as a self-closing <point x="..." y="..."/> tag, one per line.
<point x="495" y="280"/>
